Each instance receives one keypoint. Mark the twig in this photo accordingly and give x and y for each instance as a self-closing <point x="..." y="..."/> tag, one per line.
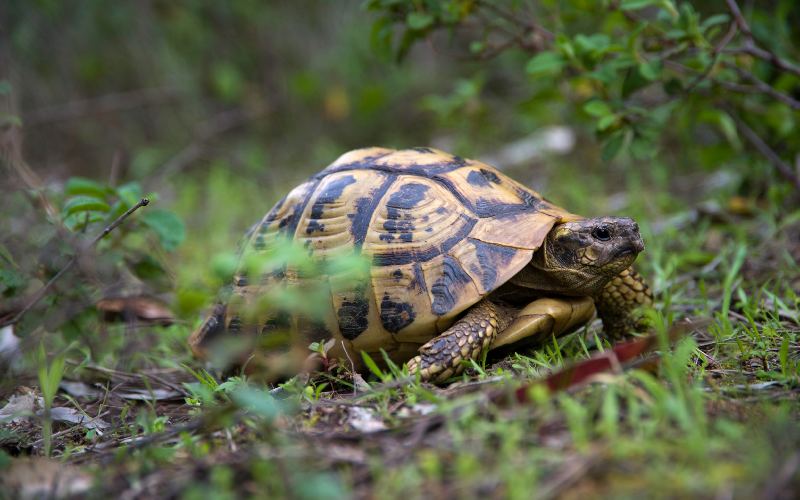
<point x="767" y="56"/>
<point x="65" y="431"/>
<point x="352" y="367"/>
<point x="737" y="15"/>
<point x="764" y="87"/>
<point x="750" y="47"/>
<point x="55" y="278"/>
<point x="106" y="104"/>
<point x="759" y="87"/>
<point x="761" y="146"/>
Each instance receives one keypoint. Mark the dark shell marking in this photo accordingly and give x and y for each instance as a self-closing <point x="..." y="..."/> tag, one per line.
<point x="445" y="290"/>
<point x="396" y="315"/>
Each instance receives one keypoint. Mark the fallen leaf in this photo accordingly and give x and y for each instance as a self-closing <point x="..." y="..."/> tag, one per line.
<point x="26" y="402"/>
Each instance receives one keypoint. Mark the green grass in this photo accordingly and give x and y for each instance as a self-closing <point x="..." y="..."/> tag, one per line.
<point x="719" y="416"/>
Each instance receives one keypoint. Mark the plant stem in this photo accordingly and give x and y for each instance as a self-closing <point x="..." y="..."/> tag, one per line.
<point x="63" y="271"/>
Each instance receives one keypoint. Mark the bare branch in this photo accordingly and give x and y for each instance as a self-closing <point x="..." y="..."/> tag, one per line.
<point x="750" y="47"/>
<point x="737" y="15"/>
<point x="765" y="55"/>
<point x="63" y="271"/>
<point x="761" y="146"/>
<point x="759" y="87"/>
<point x="764" y="87"/>
<point x="105" y="104"/>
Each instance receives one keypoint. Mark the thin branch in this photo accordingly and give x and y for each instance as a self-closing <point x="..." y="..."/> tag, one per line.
<point x="737" y="15"/>
<point x="767" y="56"/>
<point x="759" y="87"/>
<point x="764" y="87"/>
<point x="40" y="442"/>
<point x="761" y="146"/>
<point x="545" y="33"/>
<point x="726" y="40"/>
<point x="750" y="47"/>
<point x="105" y="104"/>
<point x="63" y="271"/>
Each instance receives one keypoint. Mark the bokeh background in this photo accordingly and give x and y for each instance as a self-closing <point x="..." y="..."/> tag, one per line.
<point x="217" y="109"/>
<point x="214" y="110"/>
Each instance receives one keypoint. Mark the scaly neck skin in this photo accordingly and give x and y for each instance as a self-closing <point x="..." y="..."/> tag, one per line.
<point x="547" y="273"/>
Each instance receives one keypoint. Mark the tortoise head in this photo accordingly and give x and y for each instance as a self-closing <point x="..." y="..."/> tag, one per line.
<point x="580" y="257"/>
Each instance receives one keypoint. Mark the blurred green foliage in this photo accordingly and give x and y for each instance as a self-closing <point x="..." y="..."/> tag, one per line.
<point x="218" y="108"/>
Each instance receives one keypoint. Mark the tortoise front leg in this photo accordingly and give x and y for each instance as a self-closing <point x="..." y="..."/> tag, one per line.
<point x="617" y="302"/>
<point x="487" y="324"/>
<point x="441" y="358"/>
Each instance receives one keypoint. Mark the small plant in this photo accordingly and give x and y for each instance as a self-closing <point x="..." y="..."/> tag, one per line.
<point x="49" y="379"/>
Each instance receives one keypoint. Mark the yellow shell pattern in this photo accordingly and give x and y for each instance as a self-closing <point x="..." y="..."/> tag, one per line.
<point x="440" y="232"/>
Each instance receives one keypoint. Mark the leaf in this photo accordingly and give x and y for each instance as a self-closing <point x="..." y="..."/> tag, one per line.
<point x="650" y="70"/>
<point x="84" y="204"/>
<point x="168" y="227"/>
<point x="80" y="185"/>
<point x="12" y="278"/>
<point x="6" y="255"/>
<point x="597" y="108"/>
<point x="633" y="81"/>
<point x="613" y="146"/>
<point x="130" y="194"/>
<point x="5" y="87"/>
<point x="371" y="365"/>
<point x="544" y="62"/>
<point x="380" y="39"/>
<point x="606" y="122"/>
<point x="637" y="4"/>
<point x="715" y="19"/>
<point x="418" y="20"/>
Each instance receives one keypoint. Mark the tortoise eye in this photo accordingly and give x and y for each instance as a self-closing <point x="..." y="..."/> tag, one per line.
<point x="601" y="234"/>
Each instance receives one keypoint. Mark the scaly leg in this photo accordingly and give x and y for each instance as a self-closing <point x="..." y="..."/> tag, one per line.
<point x="441" y="358"/>
<point x="617" y="302"/>
<point x="488" y="324"/>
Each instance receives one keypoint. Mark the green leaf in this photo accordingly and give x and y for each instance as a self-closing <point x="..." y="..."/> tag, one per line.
<point x="545" y="62"/>
<point x="6" y="255"/>
<point x="12" y="278"/>
<point x="597" y="108"/>
<point x="715" y="19"/>
<point x="637" y="4"/>
<point x="633" y="81"/>
<point x="84" y="204"/>
<point x="81" y="185"/>
<point x="606" y="122"/>
<point x="130" y="194"/>
<point x="371" y="365"/>
<point x="78" y="220"/>
<point x="650" y="70"/>
<point x="418" y="20"/>
<point x="5" y="87"/>
<point x="613" y="146"/>
<point x="168" y="227"/>
<point x="380" y="39"/>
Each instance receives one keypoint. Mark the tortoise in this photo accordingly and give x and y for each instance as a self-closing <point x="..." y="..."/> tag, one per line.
<point x="460" y="258"/>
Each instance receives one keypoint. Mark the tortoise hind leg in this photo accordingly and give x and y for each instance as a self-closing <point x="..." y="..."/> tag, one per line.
<point x="618" y="301"/>
<point x="441" y="358"/>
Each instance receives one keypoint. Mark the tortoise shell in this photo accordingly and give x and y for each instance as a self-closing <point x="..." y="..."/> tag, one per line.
<point x="439" y="231"/>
